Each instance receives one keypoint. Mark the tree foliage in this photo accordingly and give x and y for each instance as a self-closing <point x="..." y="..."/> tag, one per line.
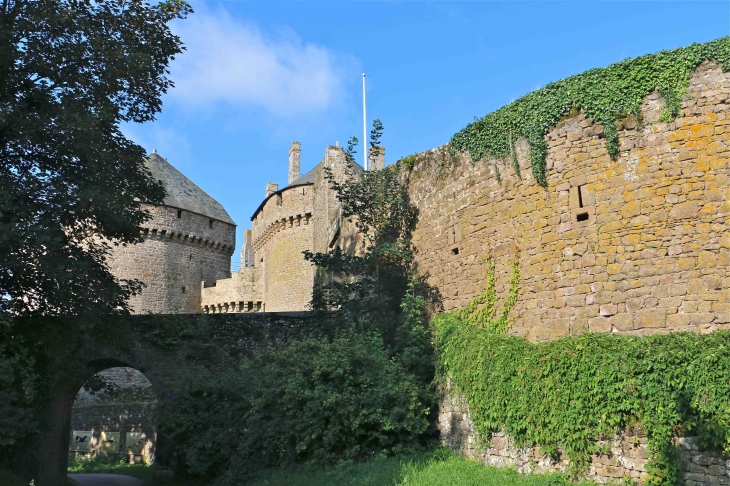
<point x="378" y="205"/>
<point x="71" y="184"/>
<point x="319" y="400"/>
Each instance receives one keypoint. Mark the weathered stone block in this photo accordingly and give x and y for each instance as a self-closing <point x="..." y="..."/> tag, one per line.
<point x="650" y="318"/>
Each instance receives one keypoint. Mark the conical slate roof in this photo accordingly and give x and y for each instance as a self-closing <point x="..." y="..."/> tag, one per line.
<point x="182" y="193"/>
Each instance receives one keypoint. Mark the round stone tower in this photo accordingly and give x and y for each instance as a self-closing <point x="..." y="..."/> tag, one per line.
<point x="186" y="244"/>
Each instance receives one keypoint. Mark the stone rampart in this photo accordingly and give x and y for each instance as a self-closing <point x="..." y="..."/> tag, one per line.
<point x="240" y="293"/>
<point x="635" y="245"/>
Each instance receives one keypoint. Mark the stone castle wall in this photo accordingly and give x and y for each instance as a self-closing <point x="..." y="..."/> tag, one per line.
<point x="175" y="256"/>
<point x="240" y="293"/>
<point x="282" y="230"/>
<point x="636" y="245"/>
<point x="331" y="229"/>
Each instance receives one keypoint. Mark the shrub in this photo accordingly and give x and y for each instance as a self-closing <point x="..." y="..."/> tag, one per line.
<point x="318" y="400"/>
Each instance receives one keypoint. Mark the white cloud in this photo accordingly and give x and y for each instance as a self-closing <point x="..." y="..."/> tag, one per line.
<point x="229" y="61"/>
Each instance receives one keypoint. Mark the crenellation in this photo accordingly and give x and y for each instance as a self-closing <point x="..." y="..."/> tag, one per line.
<point x="283" y="227"/>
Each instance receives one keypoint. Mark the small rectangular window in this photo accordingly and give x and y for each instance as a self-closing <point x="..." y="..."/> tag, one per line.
<point x="210" y="223"/>
<point x="179" y="213"/>
<point x="183" y="290"/>
<point x="581" y="217"/>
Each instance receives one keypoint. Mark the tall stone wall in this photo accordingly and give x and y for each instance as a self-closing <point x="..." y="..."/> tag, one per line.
<point x="282" y="230"/>
<point x="178" y="251"/>
<point x="636" y="245"/>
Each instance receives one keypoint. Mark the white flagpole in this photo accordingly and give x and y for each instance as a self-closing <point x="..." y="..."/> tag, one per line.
<point x="364" y="127"/>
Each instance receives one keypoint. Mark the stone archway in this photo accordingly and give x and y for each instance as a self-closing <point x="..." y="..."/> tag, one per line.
<point x="163" y="348"/>
<point x="49" y="458"/>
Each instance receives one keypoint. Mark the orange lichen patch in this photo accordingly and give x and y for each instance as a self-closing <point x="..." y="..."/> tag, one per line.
<point x="700" y="130"/>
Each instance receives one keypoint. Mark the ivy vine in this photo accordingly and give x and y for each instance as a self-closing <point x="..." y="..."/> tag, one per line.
<point x="571" y="393"/>
<point x="605" y="95"/>
<point x="482" y="309"/>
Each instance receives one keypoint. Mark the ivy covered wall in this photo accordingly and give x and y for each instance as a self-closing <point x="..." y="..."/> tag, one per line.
<point x="634" y="243"/>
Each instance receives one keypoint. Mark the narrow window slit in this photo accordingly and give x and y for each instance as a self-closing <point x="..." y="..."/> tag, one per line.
<point x="580" y="200"/>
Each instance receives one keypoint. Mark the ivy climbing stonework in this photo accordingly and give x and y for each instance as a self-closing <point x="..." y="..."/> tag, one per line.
<point x="637" y="245"/>
<point x="622" y="230"/>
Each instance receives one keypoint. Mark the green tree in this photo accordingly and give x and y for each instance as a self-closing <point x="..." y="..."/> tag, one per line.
<point x="377" y="289"/>
<point x="71" y="184"/>
<point x="379" y="206"/>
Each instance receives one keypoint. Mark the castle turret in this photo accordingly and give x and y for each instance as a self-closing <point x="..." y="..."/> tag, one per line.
<point x="294" y="153"/>
<point x="187" y="240"/>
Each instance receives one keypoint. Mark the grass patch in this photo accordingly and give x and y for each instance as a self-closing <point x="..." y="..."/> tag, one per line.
<point x="108" y="464"/>
<point x="441" y="468"/>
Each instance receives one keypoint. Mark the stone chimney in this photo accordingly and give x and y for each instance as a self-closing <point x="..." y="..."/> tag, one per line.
<point x="271" y="188"/>
<point x="246" y="250"/>
<point x="378" y="161"/>
<point x="294" y="152"/>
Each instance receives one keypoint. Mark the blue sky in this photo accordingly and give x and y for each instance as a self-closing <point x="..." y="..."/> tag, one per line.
<point x="258" y="75"/>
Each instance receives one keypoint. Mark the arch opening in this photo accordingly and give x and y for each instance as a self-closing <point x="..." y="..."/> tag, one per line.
<point x="113" y="415"/>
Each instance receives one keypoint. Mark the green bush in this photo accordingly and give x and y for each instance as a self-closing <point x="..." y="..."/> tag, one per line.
<point x="571" y="392"/>
<point x="318" y="401"/>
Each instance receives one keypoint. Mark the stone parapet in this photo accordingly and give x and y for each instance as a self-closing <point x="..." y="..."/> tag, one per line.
<point x="177" y="251"/>
<point x="240" y="293"/>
